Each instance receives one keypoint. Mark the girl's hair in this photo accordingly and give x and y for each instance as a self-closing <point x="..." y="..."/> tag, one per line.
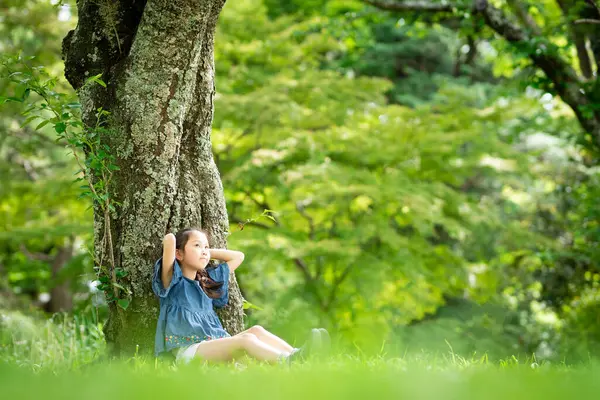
<point x="210" y="287"/>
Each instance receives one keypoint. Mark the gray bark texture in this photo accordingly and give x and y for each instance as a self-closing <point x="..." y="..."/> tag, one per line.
<point x="156" y="57"/>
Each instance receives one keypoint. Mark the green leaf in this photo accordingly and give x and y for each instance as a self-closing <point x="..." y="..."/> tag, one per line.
<point x="123" y="303"/>
<point x="42" y="124"/>
<point x="120" y="272"/>
<point x="115" y="284"/>
<point x="248" y="305"/>
<point x="93" y="78"/>
<point x="15" y="99"/>
<point x="60" y="127"/>
<point x="96" y="78"/>
<point x="28" y="120"/>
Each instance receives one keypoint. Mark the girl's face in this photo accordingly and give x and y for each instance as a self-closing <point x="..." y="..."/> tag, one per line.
<point x="195" y="254"/>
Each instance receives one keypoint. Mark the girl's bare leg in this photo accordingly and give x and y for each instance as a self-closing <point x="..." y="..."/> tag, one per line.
<point x="225" y="349"/>
<point x="267" y="337"/>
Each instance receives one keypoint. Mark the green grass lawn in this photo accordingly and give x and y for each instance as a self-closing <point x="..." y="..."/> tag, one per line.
<point x="64" y="358"/>
<point x="340" y="378"/>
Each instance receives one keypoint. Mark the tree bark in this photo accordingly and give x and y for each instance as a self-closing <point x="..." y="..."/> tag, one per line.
<point x="157" y="60"/>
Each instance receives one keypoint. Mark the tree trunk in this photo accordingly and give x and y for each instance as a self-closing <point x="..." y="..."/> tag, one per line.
<point x="61" y="298"/>
<point x="157" y="60"/>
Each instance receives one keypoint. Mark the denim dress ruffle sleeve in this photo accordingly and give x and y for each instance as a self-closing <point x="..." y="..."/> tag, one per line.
<point x="187" y="314"/>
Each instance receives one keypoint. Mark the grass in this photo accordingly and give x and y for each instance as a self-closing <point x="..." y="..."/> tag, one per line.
<point x="62" y="342"/>
<point x="341" y="378"/>
<point x="55" y="359"/>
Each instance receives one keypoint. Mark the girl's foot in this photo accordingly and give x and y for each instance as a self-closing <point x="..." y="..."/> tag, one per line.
<point x="312" y="346"/>
<point x="296" y="355"/>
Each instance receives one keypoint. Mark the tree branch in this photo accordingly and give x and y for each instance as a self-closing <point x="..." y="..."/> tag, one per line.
<point x="469" y="57"/>
<point x="594" y="5"/>
<point x="566" y="82"/>
<point x="585" y="64"/>
<point x="337" y="283"/>
<point x="579" y="39"/>
<point x="496" y="20"/>
<point x="540" y="50"/>
<point x="311" y="223"/>
<point x="28" y="134"/>
<point x="310" y="281"/>
<point x="551" y="64"/>
<point x="586" y="17"/>
<point x="239" y="221"/>
<point x="303" y="268"/>
<point x="524" y="16"/>
<point x="35" y="256"/>
<point x="586" y="21"/>
<point x="395" y="5"/>
<point x="260" y="204"/>
<point x="16" y="158"/>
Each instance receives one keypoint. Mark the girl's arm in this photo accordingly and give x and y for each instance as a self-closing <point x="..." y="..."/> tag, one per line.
<point x="233" y="258"/>
<point x="168" y="260"/>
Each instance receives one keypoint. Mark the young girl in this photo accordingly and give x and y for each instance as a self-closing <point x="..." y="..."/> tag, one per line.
<point x="189" y="289"/>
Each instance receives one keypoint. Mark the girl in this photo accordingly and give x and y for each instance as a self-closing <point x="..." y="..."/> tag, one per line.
<point x="188" y="289"/>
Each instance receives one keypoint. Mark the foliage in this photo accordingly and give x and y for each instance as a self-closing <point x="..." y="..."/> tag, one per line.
<point x="386" y="179"/>
<point x="93" y="157"/>
<point x="383" y="212"/>
<point x="40" y="214"/>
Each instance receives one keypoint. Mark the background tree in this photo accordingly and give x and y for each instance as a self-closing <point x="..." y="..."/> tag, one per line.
<point x="535" y="31"/>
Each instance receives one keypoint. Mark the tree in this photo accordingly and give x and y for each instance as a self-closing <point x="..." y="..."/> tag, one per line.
<point x="156" y="60"/>
<point x="536" y="38"/>
<point x="382" y="211"/>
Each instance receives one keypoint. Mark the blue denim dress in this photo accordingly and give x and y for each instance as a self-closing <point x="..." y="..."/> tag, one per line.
<point x="187" y="314"/>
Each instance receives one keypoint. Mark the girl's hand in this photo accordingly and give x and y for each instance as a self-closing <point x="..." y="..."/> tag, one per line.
<point x="233" y="258"/>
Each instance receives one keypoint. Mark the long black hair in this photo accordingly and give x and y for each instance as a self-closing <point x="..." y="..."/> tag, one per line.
<point x="211" y="288"/>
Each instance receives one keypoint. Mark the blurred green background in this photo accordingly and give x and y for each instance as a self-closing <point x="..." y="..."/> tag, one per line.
<point x="429" y="194"/>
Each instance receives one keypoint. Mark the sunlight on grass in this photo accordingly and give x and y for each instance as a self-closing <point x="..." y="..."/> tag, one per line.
<point x="63" y="358"/>
<point x="344" y="378"/>
<point x="62" y="342"/>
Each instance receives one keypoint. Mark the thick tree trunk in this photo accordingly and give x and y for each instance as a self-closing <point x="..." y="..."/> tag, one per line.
<point x="157" y="60"/>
